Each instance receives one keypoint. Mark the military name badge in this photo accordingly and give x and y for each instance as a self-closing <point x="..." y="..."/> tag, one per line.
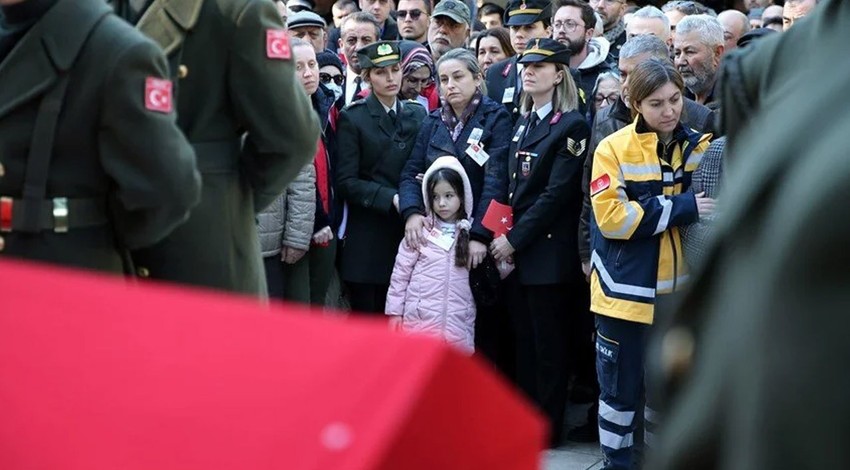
<point x="475" y="136"/>
<point x="476" y="151"/>
<point x="158" y="95"/>
<point x="526" y="168"/>
<point x="277" y="44"/>
<point x="508" y="96"/>
<point x="518" y="133"/>
<point x="600" y="184"/>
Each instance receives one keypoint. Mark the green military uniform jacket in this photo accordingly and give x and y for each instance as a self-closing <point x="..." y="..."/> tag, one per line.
<point x="756" y="354"/>
<point x="127" y="172"/>
<point x="233" y="81"/>
<point x="371" y="154"/>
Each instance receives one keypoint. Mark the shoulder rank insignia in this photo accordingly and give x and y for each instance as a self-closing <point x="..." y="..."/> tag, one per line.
<point x="576" y="148"/>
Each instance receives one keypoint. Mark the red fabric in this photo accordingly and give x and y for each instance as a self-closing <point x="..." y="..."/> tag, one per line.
<point x="499" y="219"/>
<point x="99" y="374"/>
<point x="321" y="164"/>
<point x="433" y="96"/>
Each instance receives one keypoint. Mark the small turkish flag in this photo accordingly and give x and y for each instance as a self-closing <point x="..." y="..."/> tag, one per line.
<point x="158" y="95"/>
<point x="277" y="44"/>
<point x="499" y="218"/>
<point x="600" y="184"/>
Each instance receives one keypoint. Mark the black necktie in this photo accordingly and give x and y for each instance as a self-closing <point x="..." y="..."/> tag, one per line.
<point x="531" y="123"/>
<point x="357" y="89"/>
<point x="393" y="118"/>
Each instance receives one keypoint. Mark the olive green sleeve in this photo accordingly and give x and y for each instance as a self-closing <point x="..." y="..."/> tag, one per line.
<point x="151" y="164"/>
<point x="270" y="105"/>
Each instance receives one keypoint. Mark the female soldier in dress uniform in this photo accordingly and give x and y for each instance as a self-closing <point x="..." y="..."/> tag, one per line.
<point x="544" y="171"/>
<point x="375" y="137"/>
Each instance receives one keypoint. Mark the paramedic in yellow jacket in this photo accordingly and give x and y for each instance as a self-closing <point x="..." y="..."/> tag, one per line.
<point x="639" y="196"/>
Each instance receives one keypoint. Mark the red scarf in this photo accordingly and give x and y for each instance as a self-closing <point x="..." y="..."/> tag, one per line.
<point x="321" y="163"/>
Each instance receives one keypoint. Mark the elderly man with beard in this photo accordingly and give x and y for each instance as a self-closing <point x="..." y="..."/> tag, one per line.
<point x="697" y="47"/>
<point x="573" y="26"/>
<point x="612" y="13"/>
<point x="449" y="28"/>
<point x="358" y="30"/>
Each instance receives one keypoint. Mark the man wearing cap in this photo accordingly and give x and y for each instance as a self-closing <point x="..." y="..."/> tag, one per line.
<point x="309" y="27"/>
<point x="239" y="105"/>
<point x="449" y="29"/>
<point x="527" y="20"/>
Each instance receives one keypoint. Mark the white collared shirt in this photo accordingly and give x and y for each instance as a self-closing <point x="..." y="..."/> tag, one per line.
<point x="351" y="85"/>
<point x="544" y="111"/>
<point x="394" y="107"/>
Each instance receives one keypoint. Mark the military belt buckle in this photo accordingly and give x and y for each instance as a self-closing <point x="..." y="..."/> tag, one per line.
<point x="6" y="214"/>
<point x="60" y="214"/>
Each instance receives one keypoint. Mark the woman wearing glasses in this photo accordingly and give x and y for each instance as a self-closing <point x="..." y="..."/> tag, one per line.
<point x="332" y="75"/>
<point x="374" y="138"/>
<point x="417" y="75"/>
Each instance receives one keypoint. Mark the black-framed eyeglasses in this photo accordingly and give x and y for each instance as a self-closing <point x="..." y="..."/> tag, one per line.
<point x="414" y="14"/>
<point x="568" y="25"/>
<point x="326" y="78"/>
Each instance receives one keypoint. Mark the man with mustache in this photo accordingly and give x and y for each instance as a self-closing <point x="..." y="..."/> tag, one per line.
<point x="612" y="12"/>
<point x="449" y="28"/>
<point x="527" y="20"/>
<point x="358" y="30"/>
<point x="573" y="26"/>
<point x="697" y="48"/>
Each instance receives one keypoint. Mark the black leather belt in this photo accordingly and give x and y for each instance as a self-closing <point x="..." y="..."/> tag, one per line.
<point x="58" y="214"/>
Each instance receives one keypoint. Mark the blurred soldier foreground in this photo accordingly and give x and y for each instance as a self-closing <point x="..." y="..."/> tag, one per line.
<point x="234" y="76"/>
<point x="757" y="351"/>
<point x="91" y="160"/>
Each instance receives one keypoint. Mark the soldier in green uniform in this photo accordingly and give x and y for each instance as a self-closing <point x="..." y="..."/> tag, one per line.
<point x="375" y="136"/>
<point x="754" y="357"/>
<point x="250" y="122"/>
<point x="91" y="160"/>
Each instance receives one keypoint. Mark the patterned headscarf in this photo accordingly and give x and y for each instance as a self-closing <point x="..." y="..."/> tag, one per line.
<point x="414" y="56"/>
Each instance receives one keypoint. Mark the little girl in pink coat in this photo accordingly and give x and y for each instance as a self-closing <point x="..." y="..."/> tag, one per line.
<point x="429" y="289"/>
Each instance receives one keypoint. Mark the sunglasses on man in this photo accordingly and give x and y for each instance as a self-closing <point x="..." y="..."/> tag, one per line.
<point x="414" y="14"/>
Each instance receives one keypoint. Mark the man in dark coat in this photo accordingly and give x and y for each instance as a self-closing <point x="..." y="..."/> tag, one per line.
<point x="752" y="361"/>
<point x="251" y="125"/>
<point x="91" y="160"/>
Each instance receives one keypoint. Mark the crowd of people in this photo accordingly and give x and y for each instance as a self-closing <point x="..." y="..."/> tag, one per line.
<point x="530" y="180"/>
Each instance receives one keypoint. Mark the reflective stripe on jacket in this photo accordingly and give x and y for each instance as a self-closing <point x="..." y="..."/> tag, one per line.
<point x="638" y="202"/>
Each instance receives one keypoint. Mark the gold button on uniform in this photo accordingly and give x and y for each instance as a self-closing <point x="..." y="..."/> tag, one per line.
<point x="511" y="195"/>
<point x="2" y="243"/>
<point x="143" y="272"/>
<point x="182" y="71"/>
<point x="528" y="159"/>
<point x="549" y="235"/>
<point x="2" y="170"/>
<point x="514" y="175"/>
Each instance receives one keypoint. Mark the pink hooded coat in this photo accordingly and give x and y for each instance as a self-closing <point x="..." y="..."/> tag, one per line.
<point x="427" y="288"/>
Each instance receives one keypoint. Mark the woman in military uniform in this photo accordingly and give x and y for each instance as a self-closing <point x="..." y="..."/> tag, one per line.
<point x="375" y="137"/>
<point x="544" y="171"/>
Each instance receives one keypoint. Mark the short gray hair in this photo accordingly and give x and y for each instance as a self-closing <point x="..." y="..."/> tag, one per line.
<point x="646" y="44"/>
<point x="654" y="13"/>
<point x="709" y="30"/>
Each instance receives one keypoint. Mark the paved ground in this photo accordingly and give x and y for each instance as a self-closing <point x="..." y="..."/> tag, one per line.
<point x="574" y="456"/>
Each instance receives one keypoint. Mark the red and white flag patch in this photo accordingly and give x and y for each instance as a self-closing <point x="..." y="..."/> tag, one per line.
<point x="600" y="184"/>
<point x="158" y="96"/>
<point x="277" y="44"/>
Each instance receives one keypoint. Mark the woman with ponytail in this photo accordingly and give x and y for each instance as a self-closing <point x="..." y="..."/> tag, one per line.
<point x="429" y="289"/>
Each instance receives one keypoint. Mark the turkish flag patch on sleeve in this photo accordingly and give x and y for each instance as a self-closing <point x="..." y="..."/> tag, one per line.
<point x="600" y="184"/>
<point x="277" y="44"/>
<point x="158" y="96"/>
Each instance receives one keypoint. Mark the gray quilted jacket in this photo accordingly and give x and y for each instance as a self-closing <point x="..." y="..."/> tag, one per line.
<point x="288" y="221"/>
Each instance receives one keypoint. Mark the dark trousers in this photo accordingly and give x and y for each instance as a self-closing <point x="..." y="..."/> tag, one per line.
<point x="620" y="352"/>
<point x="274" y="276"/>
<point x="367" y="298"/>
<point x="307" y="281"/>
<point x="541" y="317"/>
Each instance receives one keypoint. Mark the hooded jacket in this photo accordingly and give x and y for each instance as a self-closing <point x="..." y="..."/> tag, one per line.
<point x="430" y="292"/>
<point x="594" y="64"/>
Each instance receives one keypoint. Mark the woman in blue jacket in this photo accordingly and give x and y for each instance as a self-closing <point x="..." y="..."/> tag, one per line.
<point x="474" y="129"/>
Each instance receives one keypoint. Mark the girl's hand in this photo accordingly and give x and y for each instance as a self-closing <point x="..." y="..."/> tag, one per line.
<point x="395" y="322"/>
<point x="395" y="202"/>
<point x="420" y="177"/>
<point x="291" y="255"/>
<point x="413" y="230"/>
<point x="501" y="248"/>
<point x="705" y="205"/>
<point x="323" y="236"/>
<point x="477" y="252"/>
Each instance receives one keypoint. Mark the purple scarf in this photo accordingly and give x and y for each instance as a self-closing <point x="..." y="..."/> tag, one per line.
<point x="451" y="121"/>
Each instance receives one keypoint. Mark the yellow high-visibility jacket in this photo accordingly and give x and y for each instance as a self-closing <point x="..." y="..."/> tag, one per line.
<point x="639" y="199"/>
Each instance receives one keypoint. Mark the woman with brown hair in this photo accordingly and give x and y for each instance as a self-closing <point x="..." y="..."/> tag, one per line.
<point x="640" y="199"/>
<point x="491" y="46"/>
